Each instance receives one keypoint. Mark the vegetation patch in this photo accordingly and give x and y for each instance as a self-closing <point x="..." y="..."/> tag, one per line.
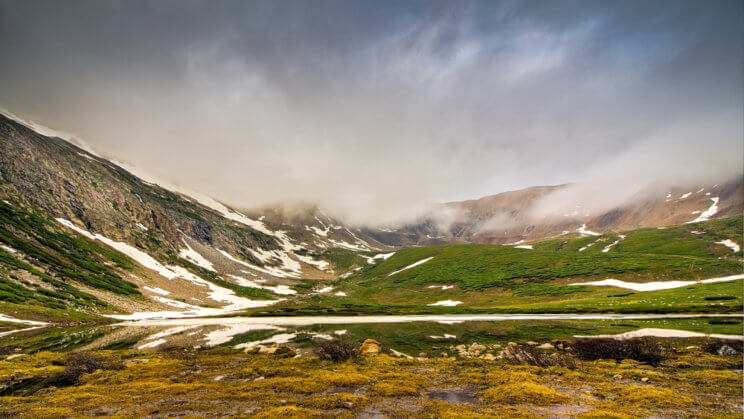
<point x="522" y="393"/>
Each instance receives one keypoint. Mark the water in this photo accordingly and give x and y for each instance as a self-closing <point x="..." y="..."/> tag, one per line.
<point x="410" y="334"/>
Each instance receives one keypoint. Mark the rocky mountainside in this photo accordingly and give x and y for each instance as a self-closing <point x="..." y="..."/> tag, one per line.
<point x="508" y="218"/>
<point x="191" y="252"/>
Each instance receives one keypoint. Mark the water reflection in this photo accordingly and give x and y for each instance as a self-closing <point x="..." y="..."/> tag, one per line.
<point x="406" y="334"/>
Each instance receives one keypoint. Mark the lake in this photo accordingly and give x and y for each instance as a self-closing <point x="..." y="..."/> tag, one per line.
<point x="408" y="334"/>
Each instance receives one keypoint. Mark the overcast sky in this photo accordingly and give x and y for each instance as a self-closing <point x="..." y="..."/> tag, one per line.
<point x="375" y="109"/>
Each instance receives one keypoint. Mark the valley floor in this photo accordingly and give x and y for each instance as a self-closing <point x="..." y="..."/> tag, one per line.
<point x="225" y="382"/>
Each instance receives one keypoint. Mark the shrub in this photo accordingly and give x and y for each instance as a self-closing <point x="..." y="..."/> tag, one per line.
<point x="337" y="351"/>
<point x="522" y="393"/>
<point x="640" y="349"/>
<point x="77" y="364"/>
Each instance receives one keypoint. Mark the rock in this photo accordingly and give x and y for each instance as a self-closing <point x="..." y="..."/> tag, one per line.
<point x="475" y="347"/>
<point x="726" y="350"/>
<point x="348" y="405"/>
<point x="692" y="347"/>
<point x="511" y="344"/>
<point x="546" y="346"/>
<point x="489" y="357"/>
<point x="531" y="343"/>
<point x="422" y="354"/>
<point x="644" y="379"/>
<point x="559" y="346"/>
<point x="461" y="348"/>
<point x="617" y="377"/>
<point x="267" y="350"/>
<point x="444" y="355"/>
<point x="495" y="346"/>
<point x="370" y="347"/>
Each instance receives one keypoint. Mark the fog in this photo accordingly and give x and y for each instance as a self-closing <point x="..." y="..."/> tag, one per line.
<point x="376" y="110"/>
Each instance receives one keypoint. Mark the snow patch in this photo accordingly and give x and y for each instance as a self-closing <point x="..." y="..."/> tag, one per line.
<point x="705" y="215"/>
<point x="411" y="265"/>
<point x="157" y="290"/>
<point x="730" y="244"/>
<point x="446" y="303"/>
<point x="583" y="230"/>
<point x="655" y="286"/>
<point x="194" y="257"/>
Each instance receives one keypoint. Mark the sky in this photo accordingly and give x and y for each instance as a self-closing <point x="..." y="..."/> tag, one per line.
<point x="376" y="109"/>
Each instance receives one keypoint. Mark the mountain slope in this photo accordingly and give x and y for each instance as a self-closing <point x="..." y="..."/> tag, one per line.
<point x="509" y="217"/>
<point x="168" y="251"/>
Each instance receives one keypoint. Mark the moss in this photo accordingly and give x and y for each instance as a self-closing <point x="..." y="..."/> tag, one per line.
<point x="335" y="401"/>
<point x="293" y="385"/>
<point x="714" y="377"/>
<point x="344" y="379"/>
<point x="522" y="393"/>
<point x="396" y="388"/>
<point x="602" y="414"/>
<point x="440" y="409"/>
<point x="288" y="412"/>
<point x="647" y="397"/>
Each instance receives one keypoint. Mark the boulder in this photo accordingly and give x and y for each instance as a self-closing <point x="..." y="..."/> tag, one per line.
<point x="546" y="346"/>
<point x="726" y="350"/>
<point x="370" y="347"/>
<point x="475" y="347"/>
<point x="489" y="357"/>
<point x="267" y="350"/>
<point x="532" y="343"/>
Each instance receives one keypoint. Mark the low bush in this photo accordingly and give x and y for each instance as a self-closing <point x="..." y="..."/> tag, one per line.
<point x="641" y="349"/>
<point x="337" y="351"/>
<point x="77" y="364"/>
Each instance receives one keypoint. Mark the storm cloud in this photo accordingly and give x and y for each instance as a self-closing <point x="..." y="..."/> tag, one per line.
<point x="375" y="110"/>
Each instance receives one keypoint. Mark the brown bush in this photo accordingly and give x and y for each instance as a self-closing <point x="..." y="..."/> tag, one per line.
<point x="77" y="364"/>
<point x="337" y="351"/>
<point x="640" y="349"/>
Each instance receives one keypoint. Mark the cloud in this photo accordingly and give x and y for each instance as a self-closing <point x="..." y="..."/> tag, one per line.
<point x="374" y="111"/>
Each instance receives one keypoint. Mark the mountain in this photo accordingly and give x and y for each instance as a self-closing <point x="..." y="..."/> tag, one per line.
<point x="508" y="217"/>
<point x="82" y="236"/>
<point x="162" y="249"/>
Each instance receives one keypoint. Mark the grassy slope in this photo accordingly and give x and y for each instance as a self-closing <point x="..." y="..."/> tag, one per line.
<point x="507" y="279"/>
